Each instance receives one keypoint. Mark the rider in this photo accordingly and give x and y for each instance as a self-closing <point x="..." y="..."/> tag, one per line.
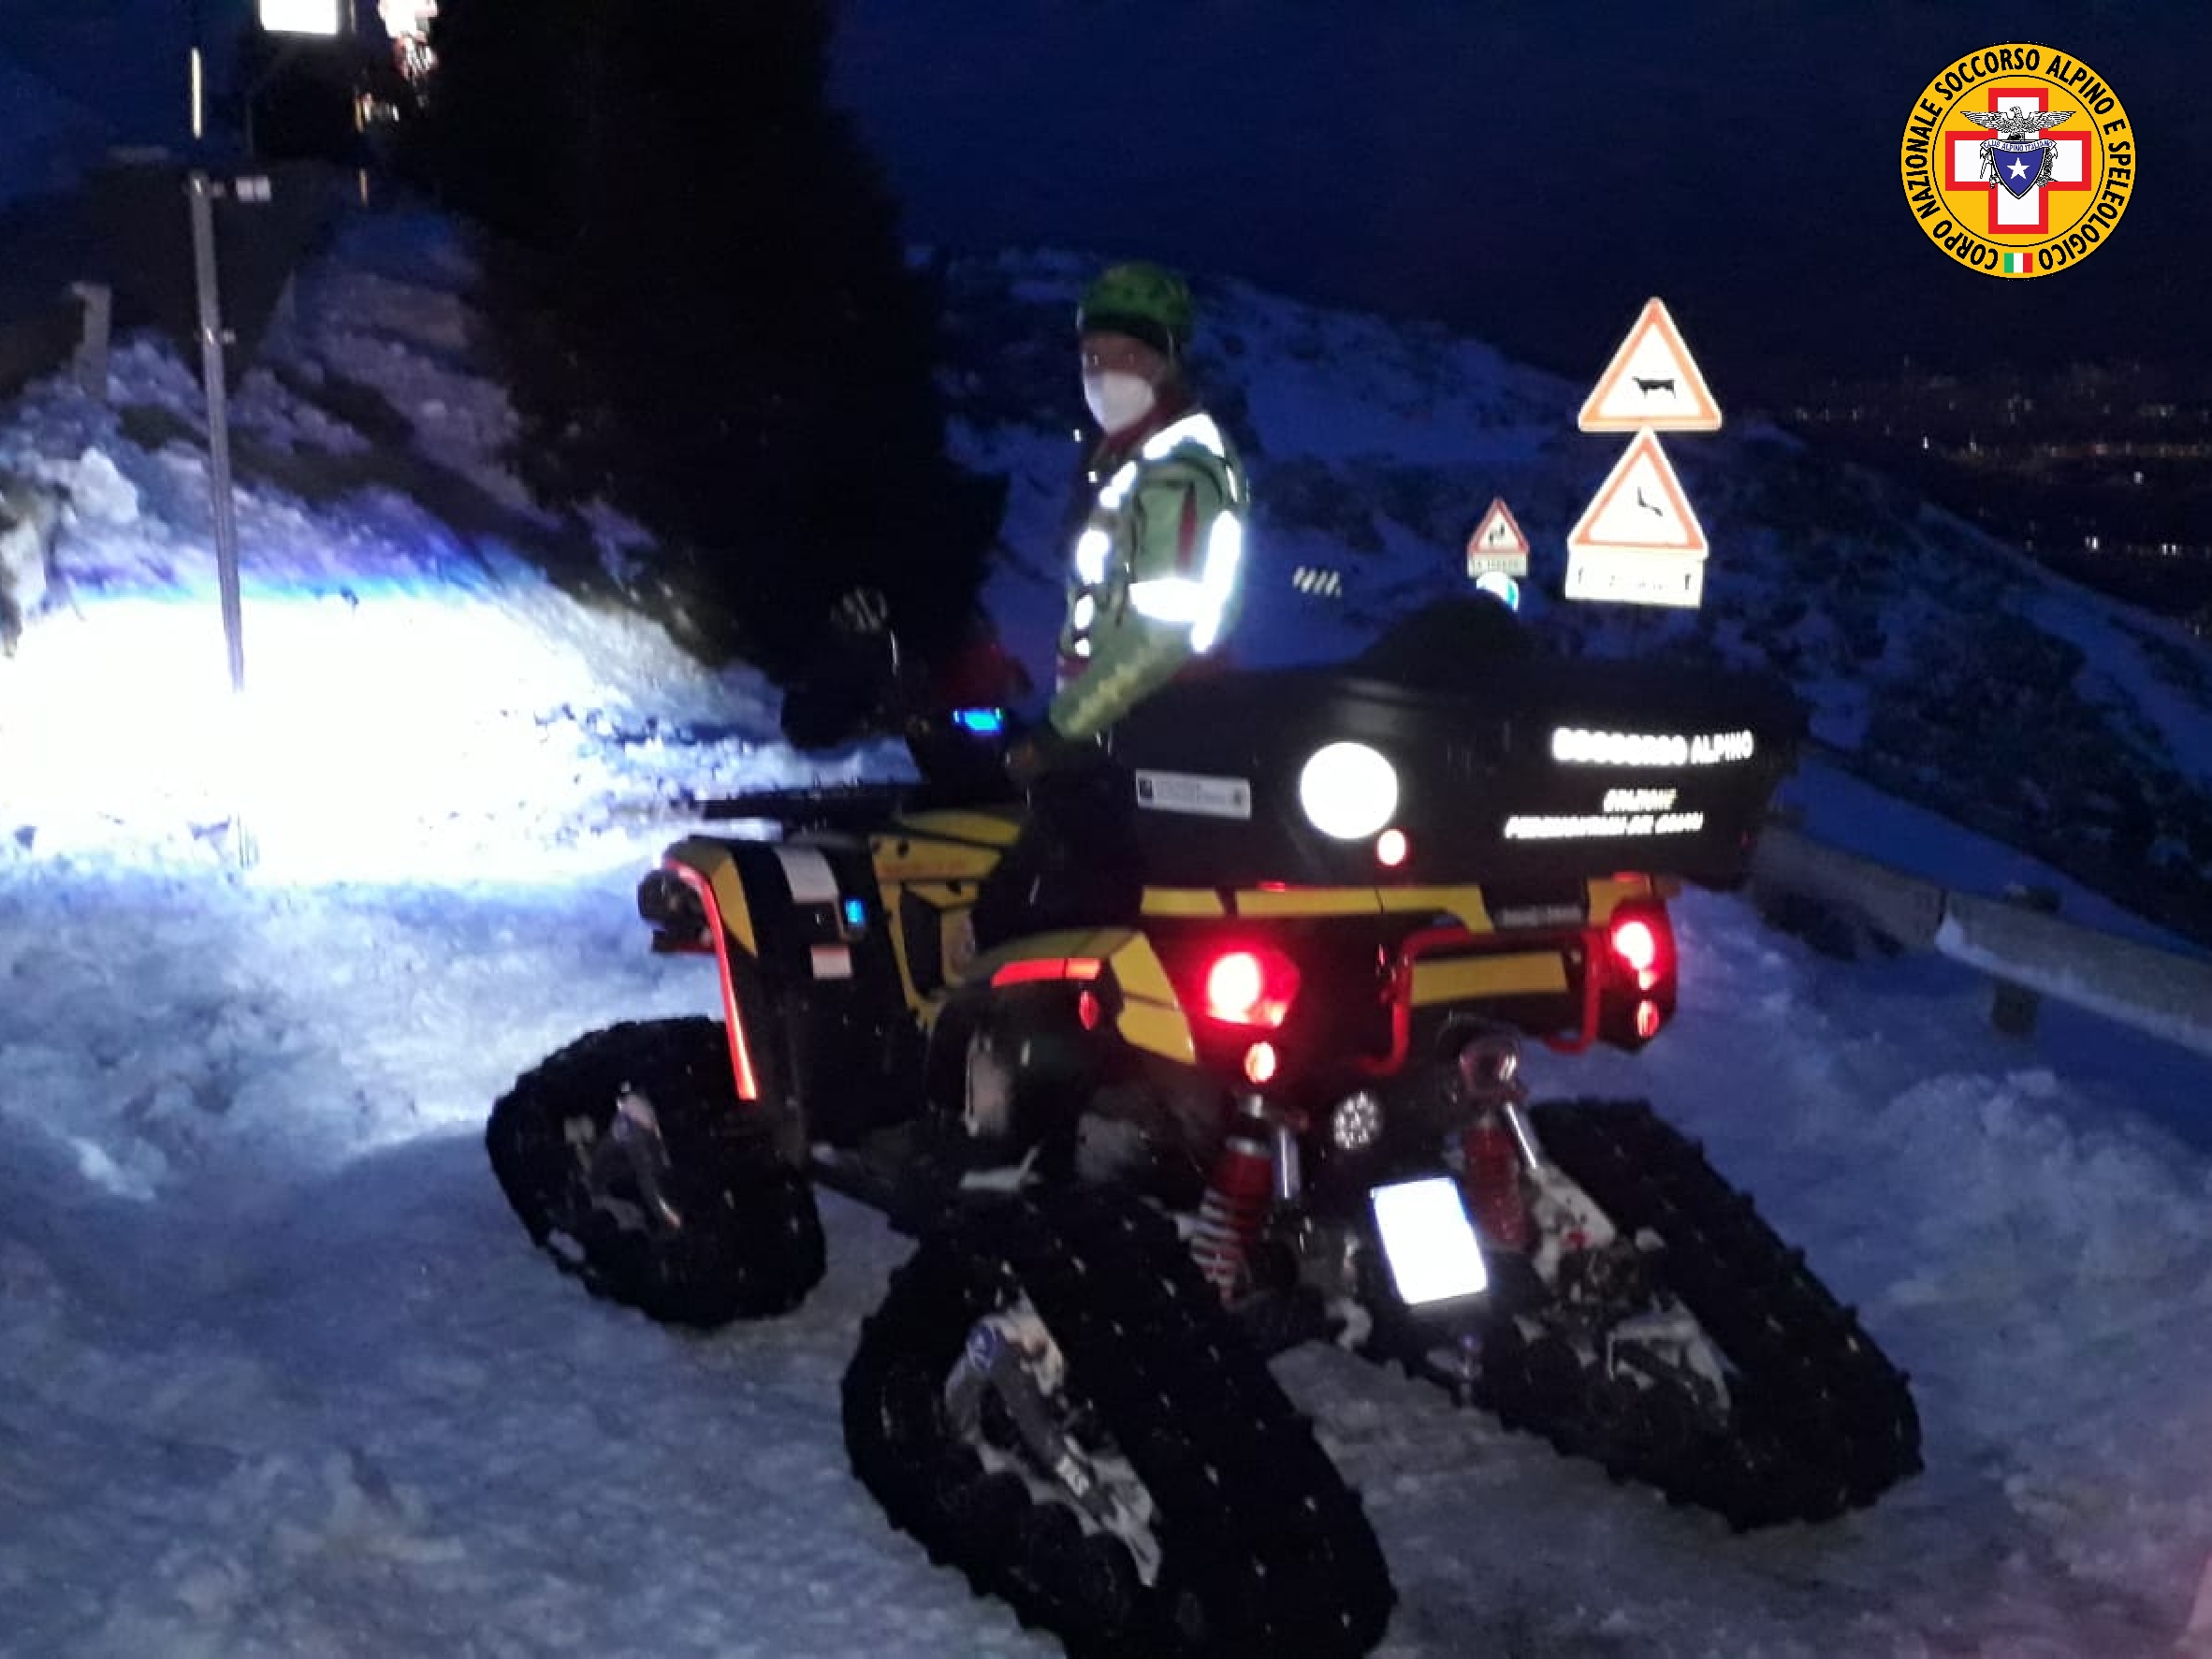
<point x="1154" y="573"/>
<point x="1154" y="586"/>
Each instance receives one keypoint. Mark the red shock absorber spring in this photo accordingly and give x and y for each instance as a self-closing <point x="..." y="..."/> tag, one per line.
<point x="1233" y="1210"/>
<point x="1493" y="1182"/>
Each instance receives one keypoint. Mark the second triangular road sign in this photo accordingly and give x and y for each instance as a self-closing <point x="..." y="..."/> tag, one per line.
<point x="1637" y="541"/>
<point x="1639" y="508"/>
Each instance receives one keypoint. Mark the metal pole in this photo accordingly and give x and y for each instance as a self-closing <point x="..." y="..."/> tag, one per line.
<point x="212" y="337"/>
<point x="212" y="340"/>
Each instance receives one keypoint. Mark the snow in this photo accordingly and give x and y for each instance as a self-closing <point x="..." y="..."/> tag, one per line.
<point x="283" y="1376"/>
<point x="2140" y="663"/>
<point x="1346" y="387"/>
<point x="280" y="1375"/>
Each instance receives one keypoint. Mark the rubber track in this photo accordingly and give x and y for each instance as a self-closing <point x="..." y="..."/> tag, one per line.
<point x="1265" y="1550"/>
<point x="1822" y="1422"/>
<point x="751" y="1245"/>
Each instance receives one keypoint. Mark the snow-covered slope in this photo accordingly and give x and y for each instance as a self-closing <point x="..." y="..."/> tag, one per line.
<point x="279" y="1375"/>
<point x="423" y="697"/>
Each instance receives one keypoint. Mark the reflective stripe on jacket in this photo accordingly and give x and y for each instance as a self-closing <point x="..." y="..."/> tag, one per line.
<point x="1157" y="569"/>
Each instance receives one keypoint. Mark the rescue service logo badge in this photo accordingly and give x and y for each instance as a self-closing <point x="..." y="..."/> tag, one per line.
<point x="2019" y="160"/>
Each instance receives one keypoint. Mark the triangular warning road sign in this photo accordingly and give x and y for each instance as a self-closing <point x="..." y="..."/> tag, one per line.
<point x="1639" y="508"/>
<point x="1652" y="383"/>
<point x="1497" y="542"/>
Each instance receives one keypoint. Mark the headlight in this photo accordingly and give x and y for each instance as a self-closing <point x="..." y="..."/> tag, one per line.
<point x="1348" y="791"/>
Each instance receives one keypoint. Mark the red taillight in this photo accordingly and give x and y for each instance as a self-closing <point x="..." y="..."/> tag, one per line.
<point x="1045" y="969"/>
<point x="1642" y="947"/>
<point x="1251" y="988"/>
<point x="1635" y="944"/>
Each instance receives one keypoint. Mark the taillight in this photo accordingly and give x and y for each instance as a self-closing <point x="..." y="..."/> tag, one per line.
<point x="1642" y="945"/>
<point x="1636" y="945"/>
<point x="1251" y="988"/>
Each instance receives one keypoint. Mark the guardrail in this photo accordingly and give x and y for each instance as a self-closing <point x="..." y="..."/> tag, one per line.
<point x="2159" y="992"/>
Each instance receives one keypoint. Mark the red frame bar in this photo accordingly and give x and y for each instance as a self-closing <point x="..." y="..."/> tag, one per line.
<point x="1596" y="946"/>
<point x="748" y="1088"/>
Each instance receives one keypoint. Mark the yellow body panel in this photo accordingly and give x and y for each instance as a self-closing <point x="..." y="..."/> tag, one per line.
<point x="1467" y="978"/>
<point x="1159" y="1030"/>
<point x="1308" y="901"/>
<point x="1151" y="1017"/>
<point x="1137" y="970"/>
<point x="908" y="858"/>
<point x="1182" y="901"/>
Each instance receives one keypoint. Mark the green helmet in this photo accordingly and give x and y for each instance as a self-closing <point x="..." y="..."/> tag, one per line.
<point x="1141" y="300"/>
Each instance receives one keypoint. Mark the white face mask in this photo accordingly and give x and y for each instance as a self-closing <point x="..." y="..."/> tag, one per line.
<point x="1118" y="399"/>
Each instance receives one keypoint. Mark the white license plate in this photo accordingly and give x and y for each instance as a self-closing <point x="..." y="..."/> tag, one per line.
<point x="1428" y="1241"/>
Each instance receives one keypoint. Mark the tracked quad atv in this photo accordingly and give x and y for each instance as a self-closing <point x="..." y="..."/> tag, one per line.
<point x="1279" y="1100"/>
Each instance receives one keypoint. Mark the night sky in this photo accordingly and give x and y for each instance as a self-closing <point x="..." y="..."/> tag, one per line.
<point x="1532" y="173"/>
<point x="1529" y="173"/>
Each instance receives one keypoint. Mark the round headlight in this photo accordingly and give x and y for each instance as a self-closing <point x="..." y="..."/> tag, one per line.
<point x="1348" y="791"/>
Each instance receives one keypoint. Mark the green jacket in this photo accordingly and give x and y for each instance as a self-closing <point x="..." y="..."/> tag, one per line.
<point x="1157" y="576"/>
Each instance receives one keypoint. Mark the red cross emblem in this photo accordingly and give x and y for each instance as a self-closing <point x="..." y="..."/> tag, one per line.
<point x="2030" y="214"/>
